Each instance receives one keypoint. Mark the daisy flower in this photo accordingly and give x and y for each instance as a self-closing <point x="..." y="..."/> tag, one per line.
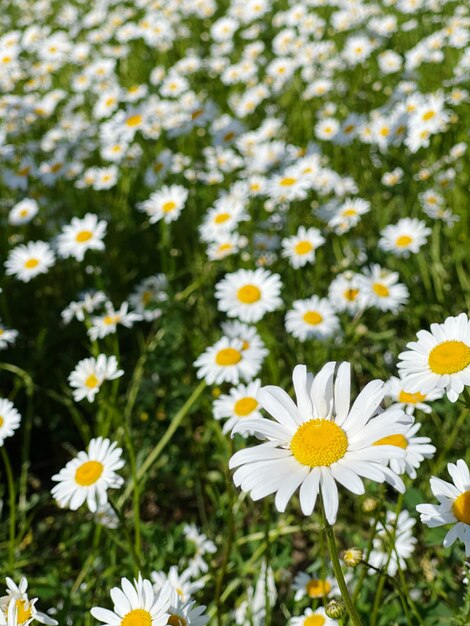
<point x="311" y="318"/>
<point x="238" y="404"/>
<point x="81" y="235"/>
<point x="313" y="618"/>
<point x="348" y="215"/>
<point x="181" y="586"/>
<point x="382" y="289"/>
<point x="148" y="294"/>
<point x="90" y="300"/>
<point x="103" y="325"/>
<point x="89" y="374"/>
<point x="407" y="236"/>
<point x="28" y="260"/>
<point x="202" y="545"/>
<point x="7" y="337"/>
<point x="247" y="334"/>
<point x="88" y="476"/>
<point x="23" y="212"/>
<point x="416" y="450"/>
<point x="227" y="361"/>
<point x="249" y="294"/>
<point x="166" y="204"/>
<point x="453" y="507"/>
<point x="409" y="402"/>
<point x="403" y="544"/>
<point x="319" y="441"/>
<point x="300" y="249"/>
<point x="9" y="419"/>
<point x="135" y="603"/>
<point x="440" y="359"/>
<point x="306" y="585"/>
<point x="20" y="609"/>
<point x="346" y="293"/>
<point x="187" y="613"/>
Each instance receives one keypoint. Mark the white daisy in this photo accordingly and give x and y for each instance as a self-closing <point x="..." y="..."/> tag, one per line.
<point x="416" y="450"/>
<point x="346" y="293"/>
<point x="136" y="604"/>
<point x="187" y="614"/>
<point x="7" y="337"/>
<point x="382" y="289"/>
<point x="348" y="214"/>
<point x="300" y="249"/>
<point x="103" y="325"/>
<point x="148" y="295"/>
<point x="247" y="334"/>
<point x="28" y="260"/>
<point x="240" y="403"/>
<point x="319" y="441"/>
<point x="409" y="402"/>
<point x="89" y="374"/>
<point x="313" y="618"/>
<point x="249" y="294"/>
<point x="89" y="475"/>
<point x="310" y="586"/>
<point x="166" y="204"/>
<point x="80" y="235"/>
<point x="9" y="419"/>
<point x="227" y="361"/>
<point x="181" y="586"/>
<point x="453" y="507"/>
<point x="20" y="609"/>
<point x="23" y="212"/>
<point x="311" y="318"/>
<point x="440" y="359"/>
<point x="407" y="236"/>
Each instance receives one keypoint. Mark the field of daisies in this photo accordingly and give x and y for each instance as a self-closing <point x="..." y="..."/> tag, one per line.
<point x="234" y="299"/>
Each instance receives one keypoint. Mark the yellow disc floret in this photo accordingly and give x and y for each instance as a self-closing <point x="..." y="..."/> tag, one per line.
<point x="88" y="473"/>
<point x="403" y="241"/>
<point x="228" y="356"/>
<point x="314" y="620"/>
<point x="449" y="357"/>
<point x="303" y="247"/>
<point x="248" y="294"/>
<point x="411" y="398"/>
<point x="393" y="440"/>
<point x="461" y="507"/>
<point x="313" y="318"/>
<point x="137" y="617"/>
<point x="245" y="406"/>
<point x="317" y="588"/>
<point x="84" y="235"/>
<point x="319" y="442"/>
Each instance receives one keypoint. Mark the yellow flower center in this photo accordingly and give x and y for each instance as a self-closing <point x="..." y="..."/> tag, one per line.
<point x="176" y="620"/>
<point x="384" y="131"/>
<point x="24" y="213"/>
<point x="317" y="588"/>
<point x="248" y="294"/>
<point x="303" y="247"/>
<point x="403" y="241"/>
<point x="400" y="441"/>
<point x="287" y="182"/>
<point x="428" y="115"/>
<point x="381" y="290"/>
<point x="24" y="612"/>
<point x="349" y="212"/>
<point x="461" y="507"/>
<point x="313" y="318"/>
<point x="411" y="398"/>
<point x="91" y="381"/>
<point x="314" y="620"/>
<point x="1" y="421"/>
<point x="221" y="218"/>
<point x="87" y="474"/>
<point x="228" y="356"/>
<point x="351" y="294"/>
<point x="84" y="235"/>
<point x="319" y="442"/>
<point x="169" y="206"/>
<point x="137" y="617"/>
<point x="449" y="357"/>
<point x="111" y="319"/>
<point x="134" y="120"/>
<point x="245" y="406"/>
<point x="229" y="136"/>
<point x="31" y="264"/>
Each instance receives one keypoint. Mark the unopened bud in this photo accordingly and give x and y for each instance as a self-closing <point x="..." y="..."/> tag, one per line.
<point x="335" y="609"/>
<point x="369" y="505"/>
<point x="352" y="557"/>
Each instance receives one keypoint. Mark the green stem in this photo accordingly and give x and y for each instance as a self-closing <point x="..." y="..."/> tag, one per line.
<point x="338" y="572"/>
<point x="160" y="446"/>
<point x="12" y="504"/>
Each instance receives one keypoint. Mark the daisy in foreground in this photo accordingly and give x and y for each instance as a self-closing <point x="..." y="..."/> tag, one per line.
<point x="89" y="475"/>
<point x="440" y="359"/>
<point x="136" y="604"/>
<point x="19" y="610"/>
<point x="453" y="507"/>
<point x="319" y="441"/>
<point x="313" y="618"/>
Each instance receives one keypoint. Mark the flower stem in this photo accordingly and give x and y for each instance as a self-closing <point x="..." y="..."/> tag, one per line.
<point x="12" y="504"/>
<point x="338" y="572"/>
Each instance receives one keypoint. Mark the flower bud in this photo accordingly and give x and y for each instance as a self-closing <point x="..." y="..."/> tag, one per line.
<point x="352" y="557"/>
<point x="335" y="609"/>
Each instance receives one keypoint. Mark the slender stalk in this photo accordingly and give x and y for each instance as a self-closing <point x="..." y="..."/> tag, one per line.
<point x="160" y="446"/>
<point x="338" y="572"/>
<point x="12" y="505"/>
